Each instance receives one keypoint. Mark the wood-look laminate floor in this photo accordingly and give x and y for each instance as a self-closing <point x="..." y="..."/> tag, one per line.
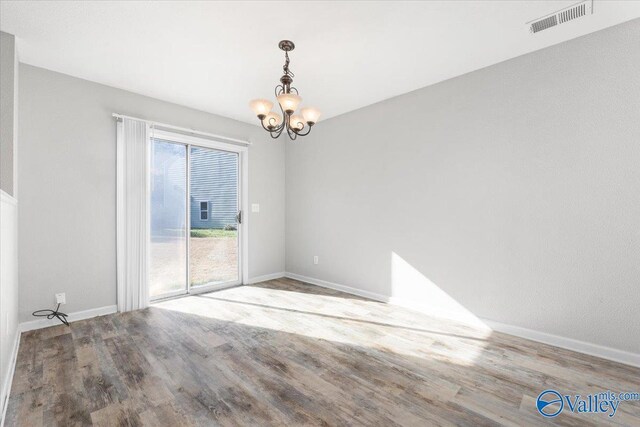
<point x="287" y="353"/>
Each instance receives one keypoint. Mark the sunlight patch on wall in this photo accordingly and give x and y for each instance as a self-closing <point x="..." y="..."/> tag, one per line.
<point x="412" y="289"/>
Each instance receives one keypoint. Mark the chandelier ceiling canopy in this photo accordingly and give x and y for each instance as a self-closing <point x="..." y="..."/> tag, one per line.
<point x="296" y="124"/>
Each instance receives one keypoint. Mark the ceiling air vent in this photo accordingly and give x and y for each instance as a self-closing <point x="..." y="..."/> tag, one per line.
<point x="561" y="16"/>
<point x="545" y="23"/>
<point x="572" y="13"/>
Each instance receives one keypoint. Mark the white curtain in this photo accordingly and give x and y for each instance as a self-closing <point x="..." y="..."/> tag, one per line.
<point x="132" y="214"/>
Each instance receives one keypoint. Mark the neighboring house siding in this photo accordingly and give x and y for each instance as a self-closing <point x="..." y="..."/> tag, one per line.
<point x="214" y="179"/>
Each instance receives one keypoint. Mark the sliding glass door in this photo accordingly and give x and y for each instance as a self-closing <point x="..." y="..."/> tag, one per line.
<point x="195" y="218"/>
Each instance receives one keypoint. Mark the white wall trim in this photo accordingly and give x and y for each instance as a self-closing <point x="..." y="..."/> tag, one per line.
<point x="458" y="316"/>
<point x="337" y="287"/>
<point x="603" y="352"/>
<point x="6" y="387"/>
<point x="78" y="315"/>
<point x="597" y="350"/>
<point x="244" y="209"/>
<point x="264" y="278"/>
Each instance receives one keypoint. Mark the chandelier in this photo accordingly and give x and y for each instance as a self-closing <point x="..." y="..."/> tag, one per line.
<point x="288" y="99"/>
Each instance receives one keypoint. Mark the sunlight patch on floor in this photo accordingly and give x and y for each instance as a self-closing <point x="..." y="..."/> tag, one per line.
<point x="342" y="320"/>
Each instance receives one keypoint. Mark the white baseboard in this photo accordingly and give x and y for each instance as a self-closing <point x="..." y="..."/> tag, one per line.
<point x="603" y="352"/>
<point x="6" y="387"/>
<point x="264" y="278"/>
<point x="460" y="316"/>
<point x="336" y="287"/>
<point x="78" y="315"/>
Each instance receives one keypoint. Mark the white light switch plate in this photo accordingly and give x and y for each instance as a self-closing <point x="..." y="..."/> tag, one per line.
<point x="255" y="207"/>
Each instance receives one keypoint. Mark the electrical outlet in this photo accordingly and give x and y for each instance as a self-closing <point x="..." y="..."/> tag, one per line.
<point x="61" y="298"/>
<point x="316" y="260"/>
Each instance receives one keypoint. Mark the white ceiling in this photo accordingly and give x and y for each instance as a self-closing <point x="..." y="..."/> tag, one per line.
<point x="216" y="56"/>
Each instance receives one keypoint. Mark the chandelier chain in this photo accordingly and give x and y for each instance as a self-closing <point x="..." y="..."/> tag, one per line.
<point x="285" y="68"/>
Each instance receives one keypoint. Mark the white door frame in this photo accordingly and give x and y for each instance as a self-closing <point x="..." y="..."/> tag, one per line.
<point x="243" y="198"/>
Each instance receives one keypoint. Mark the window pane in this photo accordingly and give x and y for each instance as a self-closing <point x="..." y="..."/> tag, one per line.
<point x="214" y="236"/>
<point x="168" y="218"/>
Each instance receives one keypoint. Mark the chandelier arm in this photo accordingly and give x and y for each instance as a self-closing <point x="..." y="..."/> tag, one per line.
<point x="304" y="134"/>
<point x="279" y="130"/>
<point x="285" y="116"/>
<point x="285" y="122"/>
<point x="292" y="133"/>
<point x="275" y="129"/>
<point x="276" y="135"/>
<point x="275" y="132"/>
<point x="284" y="113"/>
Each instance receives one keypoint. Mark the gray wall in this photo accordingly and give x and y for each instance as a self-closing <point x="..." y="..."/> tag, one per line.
<point x="8" y="101"/>
<point x="8" y="211"/>
<point x="68" y="187"/>
<point x="513" y="191"/>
